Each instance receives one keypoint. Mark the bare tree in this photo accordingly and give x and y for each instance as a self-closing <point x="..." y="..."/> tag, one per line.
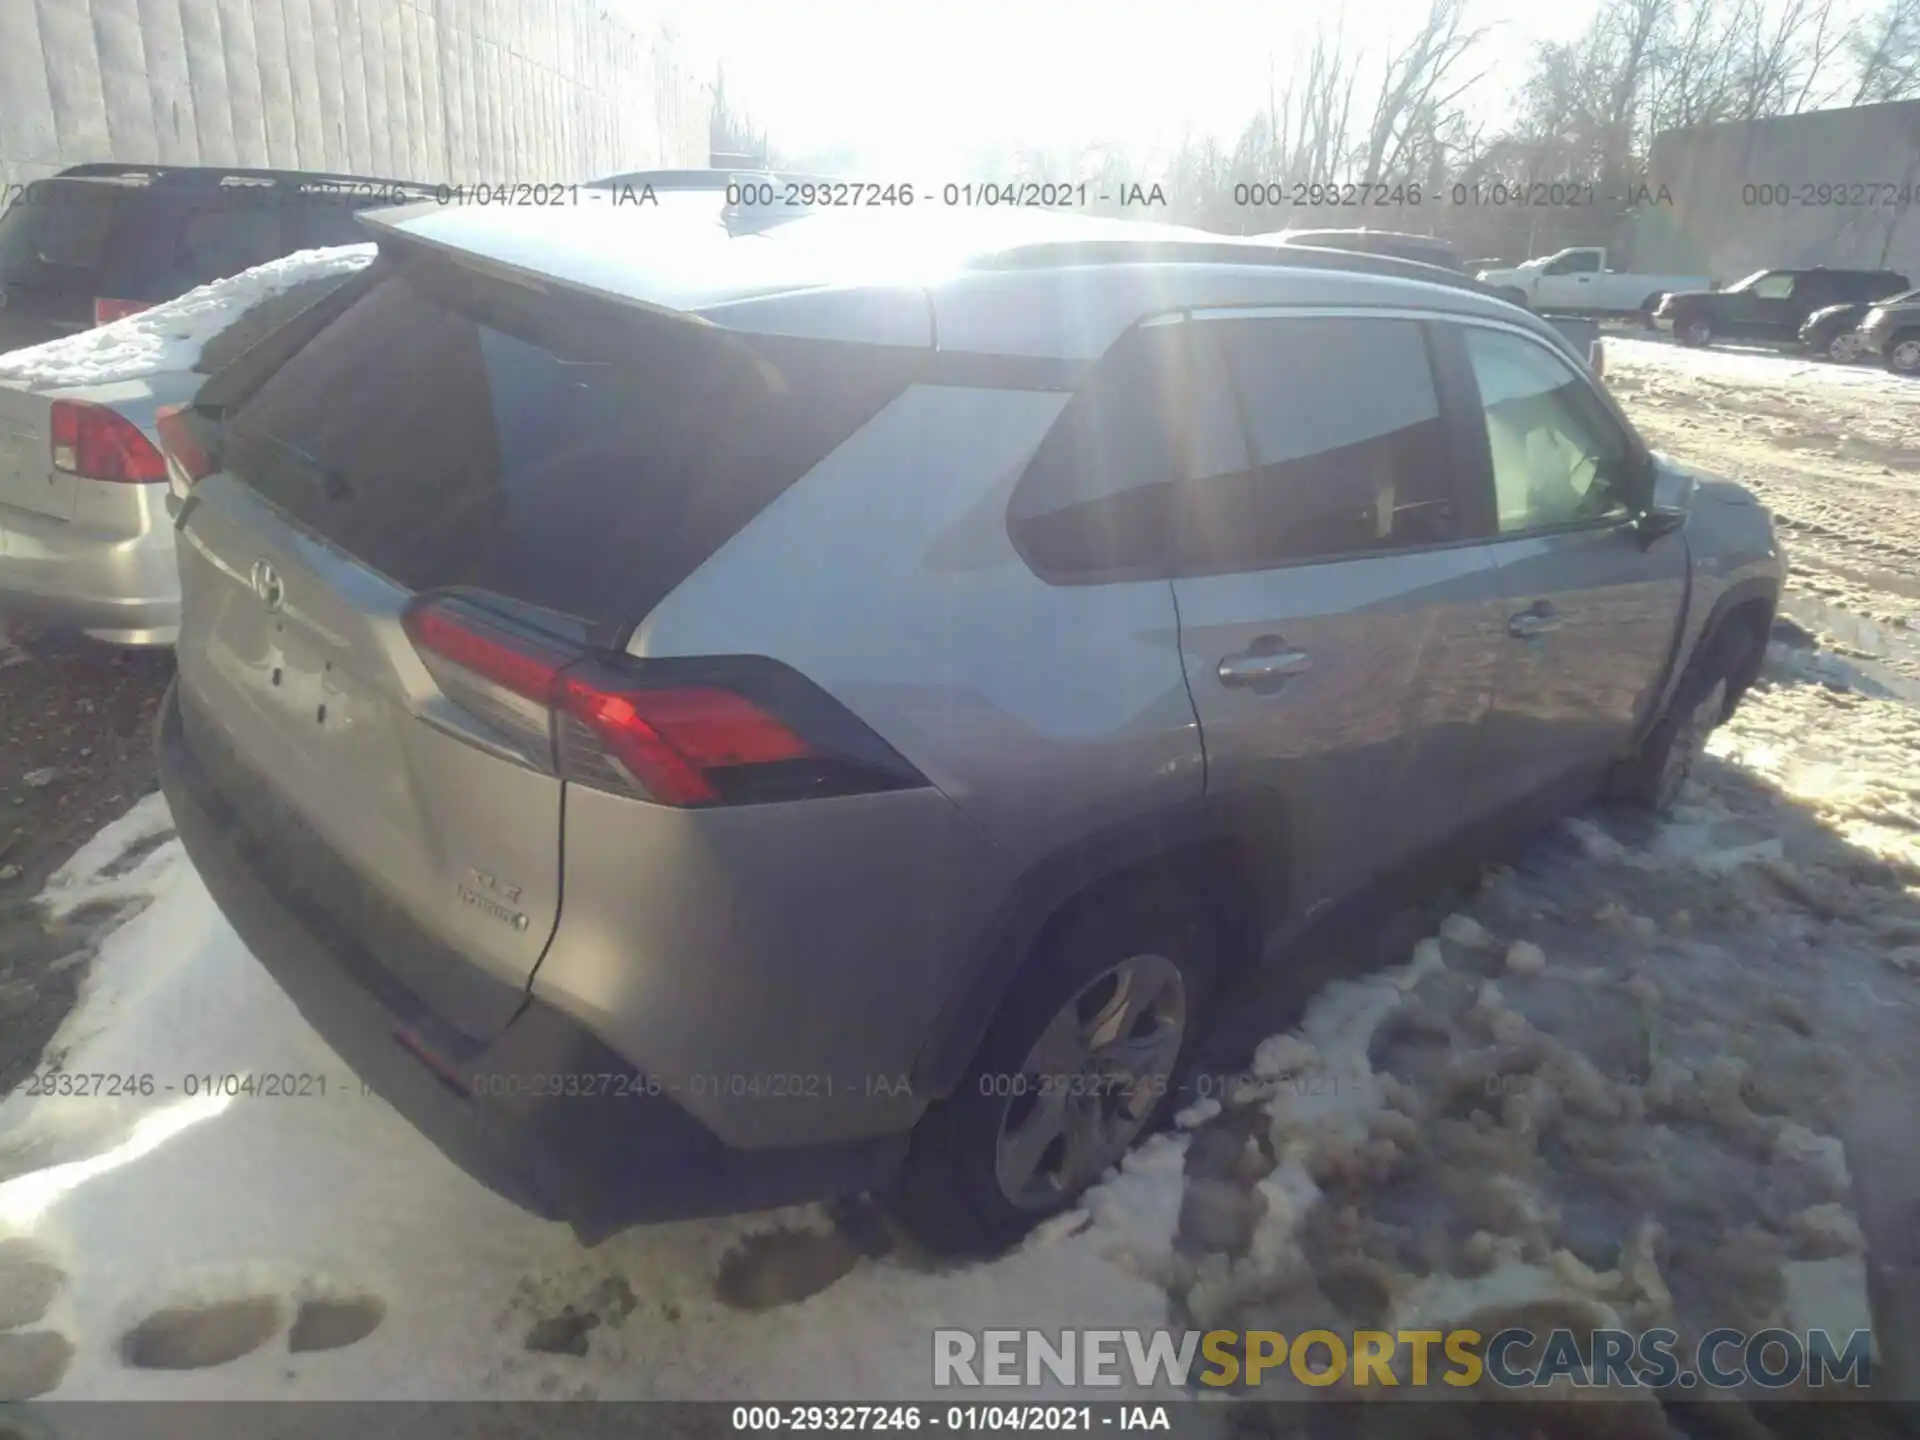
<point x="1692" y="80"/>
<point x="1787" y="48"/>
<point x="1887" y="54"/>
<point x="730" y="132"/>
<point x="1419" y="86"/>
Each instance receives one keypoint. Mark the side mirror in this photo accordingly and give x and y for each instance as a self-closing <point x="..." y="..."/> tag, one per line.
<point x="1668" y="505"/>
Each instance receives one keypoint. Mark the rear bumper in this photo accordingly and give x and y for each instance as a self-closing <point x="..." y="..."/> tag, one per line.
<point x="74" y="577"/>
<point x="546" y="1114"/>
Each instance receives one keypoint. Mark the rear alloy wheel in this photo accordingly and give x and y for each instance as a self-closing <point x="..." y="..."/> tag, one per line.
<point x="1078" y="1064"/>
<point x="1844" y="347"/>
<point x="1903" y="355"/>
<point x="1091" y="1082"/>
<point x="1695" y="332"/>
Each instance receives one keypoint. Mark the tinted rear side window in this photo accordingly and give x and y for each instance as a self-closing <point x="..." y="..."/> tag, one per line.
<point x="1097" y="499"/>
<point x="1875" y="286"/>
<point x="1347" y="450"/>
<point x="1221" y="445"/>
<point x="451" y="431"/>
<point x="55" y="234"/>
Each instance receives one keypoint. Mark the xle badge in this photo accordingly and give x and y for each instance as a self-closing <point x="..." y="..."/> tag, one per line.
<point x="493" y="898"/>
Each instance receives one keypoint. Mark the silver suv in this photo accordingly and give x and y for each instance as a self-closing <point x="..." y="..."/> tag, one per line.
<point x="702" y="721"/>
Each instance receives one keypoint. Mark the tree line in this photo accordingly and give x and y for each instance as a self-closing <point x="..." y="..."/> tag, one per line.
<point x="1587" y="112"/>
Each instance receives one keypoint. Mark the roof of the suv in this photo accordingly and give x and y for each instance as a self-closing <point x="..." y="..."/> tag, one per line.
<point x="1023" y="282"/>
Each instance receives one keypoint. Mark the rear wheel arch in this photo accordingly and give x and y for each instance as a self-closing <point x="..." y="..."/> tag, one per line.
<point x="1229" y="860"/>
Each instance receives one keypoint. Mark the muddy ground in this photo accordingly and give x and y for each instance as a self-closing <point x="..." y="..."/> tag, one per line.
<point x="75" y="752"/>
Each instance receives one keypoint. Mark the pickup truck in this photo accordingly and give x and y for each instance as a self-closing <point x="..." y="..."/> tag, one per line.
<point x="1578" y="280"/>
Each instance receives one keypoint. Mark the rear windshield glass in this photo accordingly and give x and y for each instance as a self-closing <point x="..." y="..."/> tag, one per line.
<point x="54" y="234"/>
<point x="448" y="430"/>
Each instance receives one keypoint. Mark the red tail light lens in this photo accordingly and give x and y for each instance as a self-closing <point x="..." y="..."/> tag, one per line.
<point x="591" y="720"/>
<point x="671" y="740"/>
<point x="96" y="443"/>
<point x="106" y="311"/>
<point x="180" y="443"/>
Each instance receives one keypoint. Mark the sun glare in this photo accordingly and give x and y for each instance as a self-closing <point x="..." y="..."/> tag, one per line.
<point x="25" y="1200"/>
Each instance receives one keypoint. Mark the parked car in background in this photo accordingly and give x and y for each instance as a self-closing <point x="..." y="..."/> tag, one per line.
<point x="1833" y="332"/>
<point x="1577" y="281"/>
<point x="85" y="540"/>
<point x="1770" y="304"/>
<point x="1891" y="331"/>
<point x="99" y="242"/>
<point x="666" y="808"/>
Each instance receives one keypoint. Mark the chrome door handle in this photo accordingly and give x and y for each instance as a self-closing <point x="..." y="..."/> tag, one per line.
<point x="1537" y="621"/>
<point x="1257" y="666"/>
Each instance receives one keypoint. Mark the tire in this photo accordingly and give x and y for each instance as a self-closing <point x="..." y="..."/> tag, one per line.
<point x="1696" y="333"/>
<point x="1656" y="776"/>
<point x="960" y="1189"/>
<point x="1843" y="348"/>
<point x="1903" y="353"/>
<point x="1514" y="297"/>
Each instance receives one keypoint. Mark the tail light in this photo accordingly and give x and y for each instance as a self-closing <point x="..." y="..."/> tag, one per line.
<point x="679" y="732"/>
<point x="180" y="440"/>
<point x="106" y="311"/>
<point x="96" y="443"/>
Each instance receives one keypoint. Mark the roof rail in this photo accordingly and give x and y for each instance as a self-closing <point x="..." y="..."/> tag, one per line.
<point x="1048" y="254"/>
<point x="214" y="174"/>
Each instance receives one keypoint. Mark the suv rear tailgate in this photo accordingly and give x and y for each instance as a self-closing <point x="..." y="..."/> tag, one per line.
<point x="302" y="694"/>
<point x="424" y="430"/>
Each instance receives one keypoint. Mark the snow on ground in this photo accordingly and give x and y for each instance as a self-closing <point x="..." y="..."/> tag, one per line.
<point x="169" y="337"/>
<point x="1649" y="1073"/>
<point x="1833" y="450"/>
<point x="1630" y="1084"/>
<point x="264" y="1215"/>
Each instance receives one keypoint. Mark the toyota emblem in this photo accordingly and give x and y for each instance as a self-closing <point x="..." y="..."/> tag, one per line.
<point x="266" y="584"/>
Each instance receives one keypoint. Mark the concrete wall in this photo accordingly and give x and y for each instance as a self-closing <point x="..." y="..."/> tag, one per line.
<point x="437" y="90"/>
<point x="1712" y="226"/>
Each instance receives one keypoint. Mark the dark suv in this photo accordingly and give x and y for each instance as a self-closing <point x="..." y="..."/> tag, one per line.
<point x="98" y="242"/>
<point x="1771" y="304"/>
